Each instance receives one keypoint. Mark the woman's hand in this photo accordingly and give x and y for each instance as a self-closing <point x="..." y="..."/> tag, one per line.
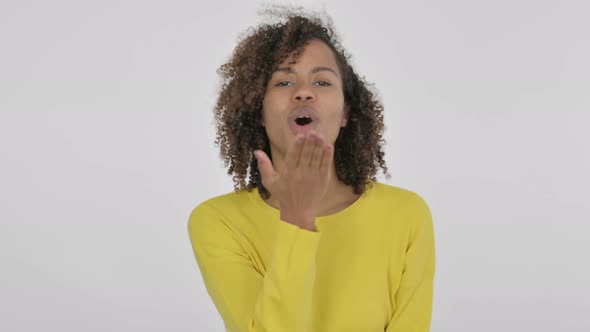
<point x="303" y="180"/>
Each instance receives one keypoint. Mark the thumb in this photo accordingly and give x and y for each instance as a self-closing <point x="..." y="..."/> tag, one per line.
<point x="265" y="167"/>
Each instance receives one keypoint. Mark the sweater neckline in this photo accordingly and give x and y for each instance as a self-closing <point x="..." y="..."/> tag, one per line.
<point x="350" y="209"/>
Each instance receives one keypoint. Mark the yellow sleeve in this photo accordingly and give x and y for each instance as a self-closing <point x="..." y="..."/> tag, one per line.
<point x="414" y="296"/>
<point x="247" y="299"/>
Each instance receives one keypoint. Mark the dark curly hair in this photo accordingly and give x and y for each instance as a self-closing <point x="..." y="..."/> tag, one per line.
<point x="358" y="149"/>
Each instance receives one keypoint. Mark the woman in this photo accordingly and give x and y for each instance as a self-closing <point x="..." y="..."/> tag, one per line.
<point x="320" y="245"/>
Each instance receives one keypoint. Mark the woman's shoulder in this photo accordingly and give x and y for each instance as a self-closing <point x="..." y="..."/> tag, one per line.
<point x="227" y="202"/>
<point x="229" y="205"/>
<point x="408" y="208"/>
<point x="387" y="193"/>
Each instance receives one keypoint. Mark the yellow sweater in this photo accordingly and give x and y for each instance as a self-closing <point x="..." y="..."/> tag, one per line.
<point x="368" y="268"/>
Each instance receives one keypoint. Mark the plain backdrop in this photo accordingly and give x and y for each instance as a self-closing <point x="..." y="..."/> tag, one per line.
<point x="106" y="145"/>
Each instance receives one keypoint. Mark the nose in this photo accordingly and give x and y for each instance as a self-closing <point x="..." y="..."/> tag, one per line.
<point x="305" y="93"/>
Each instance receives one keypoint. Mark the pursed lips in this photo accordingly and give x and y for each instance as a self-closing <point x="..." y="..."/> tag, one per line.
<point x="304" y="112"/>
<point x="303" y="126"/>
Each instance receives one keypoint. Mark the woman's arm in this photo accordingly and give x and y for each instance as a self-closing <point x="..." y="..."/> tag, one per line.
<point x="247" y="299"/>
<point x="414" y="295"/>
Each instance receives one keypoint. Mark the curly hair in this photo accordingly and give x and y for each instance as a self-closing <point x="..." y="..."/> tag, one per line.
<point x="358" y="151"/>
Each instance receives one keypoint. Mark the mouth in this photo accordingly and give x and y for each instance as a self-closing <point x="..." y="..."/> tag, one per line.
<point x="303" y="125"/>
<point x="303" y="120"/>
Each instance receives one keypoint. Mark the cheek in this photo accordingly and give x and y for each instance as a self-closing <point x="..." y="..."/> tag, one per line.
<point x="270" y="119"/>
<point x="269" y="104"/>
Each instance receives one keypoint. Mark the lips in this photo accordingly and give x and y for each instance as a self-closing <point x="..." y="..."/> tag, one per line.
<point x="303" y="112"/>
<point x="308" y="119"/>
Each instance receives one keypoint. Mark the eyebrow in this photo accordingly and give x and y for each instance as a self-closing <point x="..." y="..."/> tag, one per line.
<point x="290" y="70"/>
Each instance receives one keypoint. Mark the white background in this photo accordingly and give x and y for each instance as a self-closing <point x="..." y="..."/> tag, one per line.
<point x="106" y="145"/>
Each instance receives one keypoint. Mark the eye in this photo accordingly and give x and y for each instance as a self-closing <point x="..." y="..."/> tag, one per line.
<point x="323" y="83"/>
<point x="284" y="83"/>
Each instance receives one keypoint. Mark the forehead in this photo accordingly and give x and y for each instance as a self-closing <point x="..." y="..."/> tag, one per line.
<point x="315" y="53"/>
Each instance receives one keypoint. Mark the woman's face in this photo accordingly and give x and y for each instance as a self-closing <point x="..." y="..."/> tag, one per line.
<point x="311" y="88"/>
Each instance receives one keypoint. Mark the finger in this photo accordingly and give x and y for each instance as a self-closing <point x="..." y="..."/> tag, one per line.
<point x="265" y="167"/>
<point x="305" y="156"/>
<point x="294" y="151"/>
<point x="316" y="155"/>
<point x="327" y="157"/>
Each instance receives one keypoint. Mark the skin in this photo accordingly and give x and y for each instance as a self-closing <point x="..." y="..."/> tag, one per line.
<point x="301" y="176"/>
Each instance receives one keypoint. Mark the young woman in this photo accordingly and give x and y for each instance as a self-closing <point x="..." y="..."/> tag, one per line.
<point x="312" y="242"/>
